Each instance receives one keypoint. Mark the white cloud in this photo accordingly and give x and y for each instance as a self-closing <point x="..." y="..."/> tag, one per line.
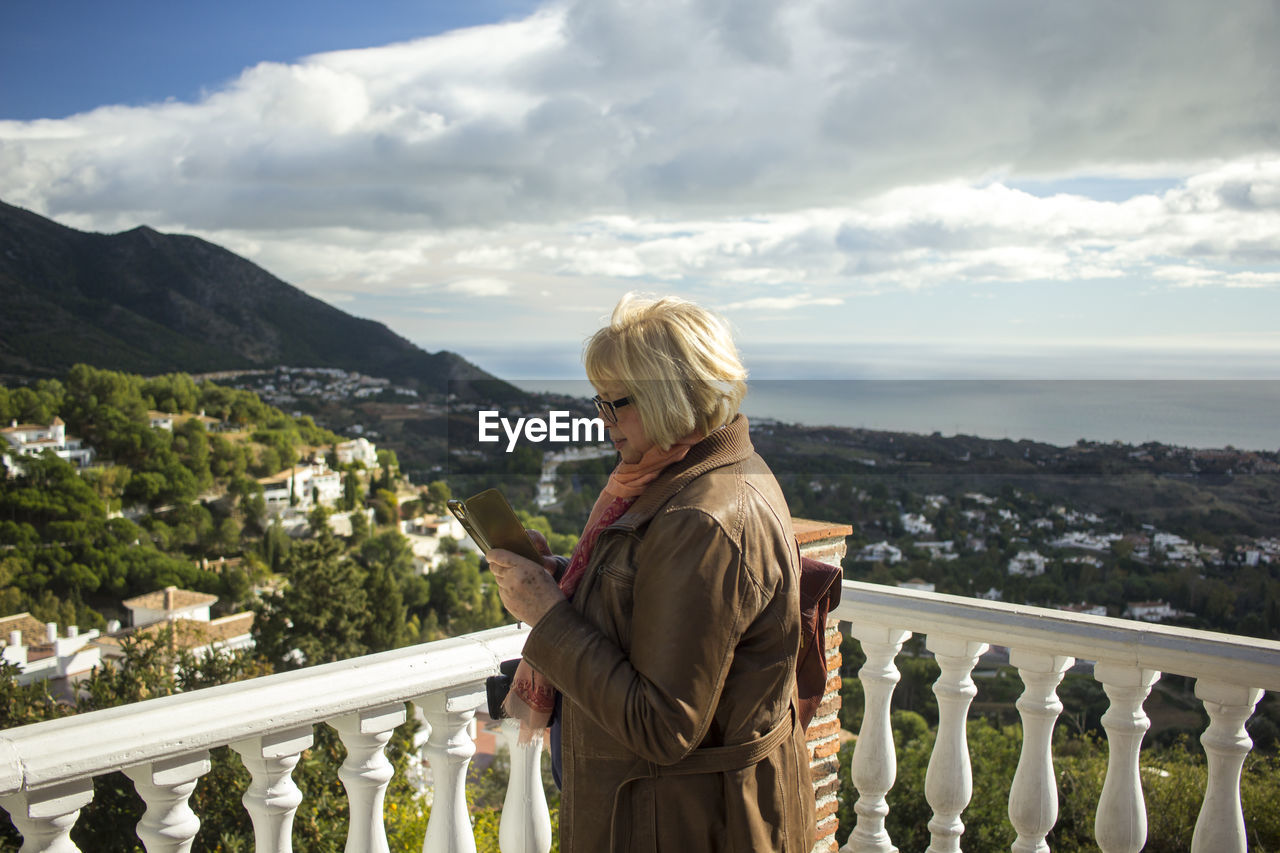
<point x="796" y="158"/>
<point x="781" y="303"/>
<point x="481" y="287"/>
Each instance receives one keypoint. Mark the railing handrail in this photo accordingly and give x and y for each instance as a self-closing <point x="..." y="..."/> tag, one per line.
<point x="40" y="755"/>
<point x="1177" y="651"/>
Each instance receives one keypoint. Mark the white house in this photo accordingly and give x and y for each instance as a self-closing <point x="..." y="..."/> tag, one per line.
<point x="1027" y="563"/>
<point x="357" y="450"/>
<point x="1150" y="611"/>
<point x="424" y="535"/>
<point x="1086" y="608"/>
<point x="944" y="550"/>
<point x="33" y="439"/>
<point x="307" y="484"/>
<point x="916" y="525"/>
<point x="1087" y="541"/>
<point x="169" y="603"/>
<point x="43" y="655"/>
<point x="880" y="552"/>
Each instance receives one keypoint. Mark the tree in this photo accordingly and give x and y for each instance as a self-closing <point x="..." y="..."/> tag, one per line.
<point x="388" y="563"/>
<point x="322" y="614"/>
<point x="359" y="527"/>
<point x="437" y="496"/>
<point x="352" y="491"/>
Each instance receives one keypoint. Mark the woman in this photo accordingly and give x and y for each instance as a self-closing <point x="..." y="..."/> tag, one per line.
<point x="673" y="631"/>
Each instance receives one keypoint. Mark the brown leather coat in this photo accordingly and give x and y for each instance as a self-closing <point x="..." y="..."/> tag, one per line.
<point x="682" y="638"/>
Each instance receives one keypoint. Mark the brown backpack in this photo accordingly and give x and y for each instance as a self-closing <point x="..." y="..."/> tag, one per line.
<point x="819" y="592"/>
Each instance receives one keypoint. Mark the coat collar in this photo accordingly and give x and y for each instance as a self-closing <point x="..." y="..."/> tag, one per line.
<point x="728" y="445"/>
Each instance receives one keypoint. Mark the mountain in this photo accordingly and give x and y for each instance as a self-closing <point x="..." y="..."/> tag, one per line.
<point x="145" y="302"/>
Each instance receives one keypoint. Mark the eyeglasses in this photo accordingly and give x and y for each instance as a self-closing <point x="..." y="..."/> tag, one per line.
<point x="608" y="409"/>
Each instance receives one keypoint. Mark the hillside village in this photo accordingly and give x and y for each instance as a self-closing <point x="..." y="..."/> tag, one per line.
<point x="1077" y="543"/>
<point x="327" y="484"/>
<point x="1008" y="543"/>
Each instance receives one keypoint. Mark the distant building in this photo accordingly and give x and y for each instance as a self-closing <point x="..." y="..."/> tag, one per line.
<point x="944" y="550"/>
<point x="302" y="487"/>
<point x="1086" y="608"/>
<point x="33" y="439"/>
<point x="186" y="616"/>
<point x="42" y="655"/>
<point x="359" y="450"/>
<point x="1027" y="564"/>
<point x="1151" y="611"/>
<point x="169" y="603"/>
<point x="880" y="552"/>
<point x="918" y="584"/>
<point x="425" y="534"/>
<point x="916" y="525"/>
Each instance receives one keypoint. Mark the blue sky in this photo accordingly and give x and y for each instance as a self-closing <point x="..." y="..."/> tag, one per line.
<point x="898" y="190"/>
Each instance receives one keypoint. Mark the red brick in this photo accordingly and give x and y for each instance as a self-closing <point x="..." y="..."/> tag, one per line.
<point x="829" y="787"/>
<point x="824" y="767"/>
<point x="824" y="749"/>
<point x="822" y="730"/>
<point x="827" y="808"/>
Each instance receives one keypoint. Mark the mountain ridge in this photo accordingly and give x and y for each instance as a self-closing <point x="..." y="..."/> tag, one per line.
<point x="141" y="301"/>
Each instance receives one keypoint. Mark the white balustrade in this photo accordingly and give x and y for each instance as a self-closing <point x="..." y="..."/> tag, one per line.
<point x="366" y="772"/>
<point x="47" y="769"/>
<point x="1121" y="823"/>
<point x="169" y="825"/>
<point x="1033" y="801"/>
<point x="875" y="765"/>
<point x="273" y="798"/>
<point x="1220" y="827"/>
<point x="45" y="816"/>
<point x="1232" y="672"/>
<point x="449" y="749"/>
<point x="526" y="825"/>
<point x="949" y="779"/>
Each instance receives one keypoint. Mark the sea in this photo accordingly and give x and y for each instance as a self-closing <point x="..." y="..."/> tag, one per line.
<point x="1203" y="413"/>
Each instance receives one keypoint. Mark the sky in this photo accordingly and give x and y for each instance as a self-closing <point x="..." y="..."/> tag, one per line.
<point x="912" y="189"/>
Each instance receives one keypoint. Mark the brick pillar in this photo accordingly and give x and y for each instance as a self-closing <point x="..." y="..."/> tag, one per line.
<point x="826" y="542"/>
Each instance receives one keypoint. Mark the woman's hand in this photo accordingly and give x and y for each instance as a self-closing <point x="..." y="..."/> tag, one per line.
<point x="540" y="545"/>
<point x="527" y="589"/>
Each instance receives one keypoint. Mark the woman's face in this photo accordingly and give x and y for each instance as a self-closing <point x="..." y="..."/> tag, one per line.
<point x="628" y="433"/>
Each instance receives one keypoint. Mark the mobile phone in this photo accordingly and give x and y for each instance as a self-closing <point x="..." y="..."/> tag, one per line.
<point x="491" y="523"/>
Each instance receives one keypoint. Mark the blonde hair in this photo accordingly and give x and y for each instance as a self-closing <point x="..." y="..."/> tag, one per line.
<point x="677" y="362"/>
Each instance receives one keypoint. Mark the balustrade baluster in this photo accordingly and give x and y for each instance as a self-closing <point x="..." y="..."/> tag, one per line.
<point x="366" y="772"/>
<point x="875" y="765"/>
<point x="1033" y="800"/>
<point x="449" y="749"/>
<point x="169" y="825"/>
<point x="1121" y="822"/>
<point x="949" y="779"/>
<point x="45" y="817"/>
<point x="1220" y="826"/>
<point x="526" y="824"/>
<point x="273" y="797"/>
